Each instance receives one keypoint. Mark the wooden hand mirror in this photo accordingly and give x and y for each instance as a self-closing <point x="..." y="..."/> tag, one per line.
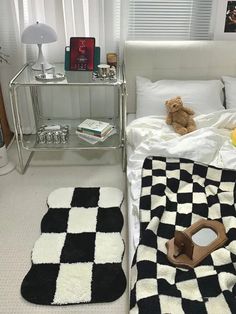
<point x="189" y="247"/>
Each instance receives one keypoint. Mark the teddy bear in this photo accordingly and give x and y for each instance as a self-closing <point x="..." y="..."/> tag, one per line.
<point x="179" y="117"/>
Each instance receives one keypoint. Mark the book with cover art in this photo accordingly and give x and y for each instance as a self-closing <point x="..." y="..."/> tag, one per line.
<point x="82" y="53"/>
<point x="95" y="127"/>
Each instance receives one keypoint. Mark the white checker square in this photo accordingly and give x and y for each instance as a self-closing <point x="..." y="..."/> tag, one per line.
<point x="146" y="190"/>
<point x="73" y="283"/>
<point x="199" y="198"/>
<point x="161" y="245"/>
<point x="147" y="173"/>
<point x="110" y="197"/>
<point x="169" y="303"/>
<point x="173" y="174"/>
<point x="217" y="305"/>
<point x="157" y="201"/>
<point x="109" y="248"/>
<point x="184" y="208"/>
<point x="146" y="288"/>
<point x="171" y="196"/>
<point x="227" y="281"/>
<point x="169" y="217"/>
<point x="82" y="219"/>
<point x="166" y="272"/>
<point x="185" y="187"/>
<point x="214" y="211"/>
<point x="227" y="186"/>
<point x="199" y="180"/>
<point x="231" y="247"/>
<point x="187" y="166"/>
<point x="48" y="247"/>
<point x="146" y="253"/>
<point x="221" y="257"/>
<point x="229" y="222"/>
<point x="211" y="190"/>
<point x="153" y="224"/>
<point x="195" y="218"/>
<point x="158" y="164"/>
<point x="189" y="289"/>
<point x="214" y="174"/>
<point x="158" y="180"/>
<point x="145" y="215"/>
<point x="204" y="271"/>
<point x="60" y="198"/>
<point x="226" y="198"/>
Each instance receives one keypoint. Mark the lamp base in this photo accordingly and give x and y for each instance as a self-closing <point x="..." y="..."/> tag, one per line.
<point x="38" y="66"/>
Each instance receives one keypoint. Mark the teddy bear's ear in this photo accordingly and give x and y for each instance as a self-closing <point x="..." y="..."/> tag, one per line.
<point x="178" y="97"/>
<point x="166" y="102"/>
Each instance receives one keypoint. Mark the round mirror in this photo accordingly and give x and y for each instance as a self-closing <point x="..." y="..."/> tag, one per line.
<point x="204" y="236"/>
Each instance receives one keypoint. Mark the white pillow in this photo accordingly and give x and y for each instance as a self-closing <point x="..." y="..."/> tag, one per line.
<point x="230" y="91"/>
<point x="202" y="96"/>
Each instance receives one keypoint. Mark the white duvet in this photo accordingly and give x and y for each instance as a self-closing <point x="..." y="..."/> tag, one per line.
<point x="151" y="136"/>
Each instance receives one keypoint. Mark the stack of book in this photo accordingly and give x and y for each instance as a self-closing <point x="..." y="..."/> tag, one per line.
<point x="94" y="130"/>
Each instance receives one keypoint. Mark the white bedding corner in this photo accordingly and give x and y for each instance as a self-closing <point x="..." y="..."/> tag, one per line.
<point x="209" y="144"/>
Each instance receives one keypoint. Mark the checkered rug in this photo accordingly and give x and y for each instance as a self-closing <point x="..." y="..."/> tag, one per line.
<point x="175" y="194"/>
<point x="78" y="257"/>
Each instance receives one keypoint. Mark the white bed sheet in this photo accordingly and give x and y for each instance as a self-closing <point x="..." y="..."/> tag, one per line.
<point x="150" y="136"/>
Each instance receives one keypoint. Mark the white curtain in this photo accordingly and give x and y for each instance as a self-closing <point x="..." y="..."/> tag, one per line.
<point x="69" y="18"/>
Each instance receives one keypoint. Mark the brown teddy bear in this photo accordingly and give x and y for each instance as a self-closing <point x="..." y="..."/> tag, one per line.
<point x="179" y="116"/>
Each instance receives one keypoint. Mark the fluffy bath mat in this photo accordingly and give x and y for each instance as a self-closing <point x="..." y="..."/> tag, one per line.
<point x="77" y="258"/>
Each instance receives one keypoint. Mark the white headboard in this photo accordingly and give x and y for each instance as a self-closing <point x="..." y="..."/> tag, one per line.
<point x="177" y="60"/>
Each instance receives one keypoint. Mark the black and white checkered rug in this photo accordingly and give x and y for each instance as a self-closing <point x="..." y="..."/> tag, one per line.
<point x="175" y="194"/>
<point x="78" y="257"/>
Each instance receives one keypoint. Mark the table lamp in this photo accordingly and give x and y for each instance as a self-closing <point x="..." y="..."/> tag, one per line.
<point x="39" y="34"/>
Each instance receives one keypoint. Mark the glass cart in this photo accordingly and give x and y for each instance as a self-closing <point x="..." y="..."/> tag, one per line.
<point x="27" y="79"/>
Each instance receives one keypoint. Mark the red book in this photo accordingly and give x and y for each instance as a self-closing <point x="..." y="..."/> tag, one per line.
<point x="82" y="53"/>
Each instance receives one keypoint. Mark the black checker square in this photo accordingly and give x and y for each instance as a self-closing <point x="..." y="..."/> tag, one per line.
<point x="158" y="189"/>
<point x="55" y="220"/>
<point x="183" y="220"/>
<point x="147" y="164"/>
<point x="109" y="282"/>
<point x="231" y="301"/>
<point x="228" y="176"/>
<point x="78" y="247"/>
<point x="171" y="206"/>
<point x="158" y="172"/>
<point x="186" y="176"/>
<point x="85" y="197"/>
<point x="212" y="199"/>
<point x="149" y="305"/>
<point x="200" y="170"/>
<point x="193" y="307"/>
<point x="166" y="230"/>
<point x="145" y="202"/>
<point x="165" y="288"/>
<point x="183" y="198"/>
<point x="209" y="286"/>
<point x="198" y="188"/>
<point x="172" y="165"/>
<point x="147" y="181"/>
<point x="109" y="220"/>
<point x="227" y="210"/>
<point x="201" y="209"/>
<point x="39" y="285"/>
<point x="173" y="184"/>
<point x="184" y="275"/>
<point x="146" y="269"/>
<point x="211" y="182"/>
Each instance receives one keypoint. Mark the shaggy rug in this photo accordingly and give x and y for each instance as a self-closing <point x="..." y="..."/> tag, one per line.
<point x="78" y="257"/>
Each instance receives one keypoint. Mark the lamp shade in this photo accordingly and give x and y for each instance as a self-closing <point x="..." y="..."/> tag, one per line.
<point x="38" y="33"/>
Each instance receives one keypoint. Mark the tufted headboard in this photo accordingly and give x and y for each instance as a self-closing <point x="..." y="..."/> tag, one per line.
<point x="177" y="60"/>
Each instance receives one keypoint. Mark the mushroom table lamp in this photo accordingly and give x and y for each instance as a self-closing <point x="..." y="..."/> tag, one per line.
<point x="39" y="34"/>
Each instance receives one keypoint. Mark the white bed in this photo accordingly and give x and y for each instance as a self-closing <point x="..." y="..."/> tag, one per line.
<point x="176" y="60"/>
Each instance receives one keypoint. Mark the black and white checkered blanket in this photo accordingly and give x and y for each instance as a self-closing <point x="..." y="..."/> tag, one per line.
<point x="78" y="257"/>
<point x="175" y="194"/>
